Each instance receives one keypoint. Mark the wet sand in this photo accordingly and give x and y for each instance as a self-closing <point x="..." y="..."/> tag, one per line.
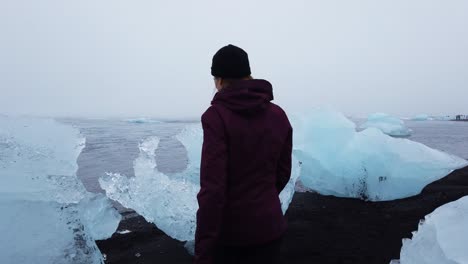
<point x="322" y="229"/>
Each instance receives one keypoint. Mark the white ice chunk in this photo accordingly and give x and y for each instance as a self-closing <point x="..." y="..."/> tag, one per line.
<point x="143" y="120"/>
<point x="388" y="124"/>
<point x="422" y="117"/>
<point x="337" y="160"/>
<point x="170" y="201"/>
<point x="287" y="194"/>
<point x="441" y="238"/>
<point x="190" y="247"/>
<point x="444" y="118"/>
<point x="47" y="215"/>
<point x="191" y="137"/>
<point x="98" y="216"/>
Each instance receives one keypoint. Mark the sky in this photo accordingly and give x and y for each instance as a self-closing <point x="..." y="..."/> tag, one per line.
<point x="115" y="58"/>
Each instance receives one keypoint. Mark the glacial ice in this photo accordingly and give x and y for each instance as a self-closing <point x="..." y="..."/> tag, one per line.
<point x="337" y="160"/>
<point x="441" y="238"/>
<point x="422" y="117"/>
<point x="444" y="118"/>
<point x="98" y="216"/>
<point x="170" y="201"/>
<point x="390" y="125"/>
<point x="47" y="215"/>
<point x="143" y="120"/>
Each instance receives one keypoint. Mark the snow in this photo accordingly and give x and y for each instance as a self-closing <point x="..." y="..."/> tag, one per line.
<point x="47" y="215"/>
<point x="390" y="125"/>
<point x="441" y="238"/>
<point x="337" y="160"/>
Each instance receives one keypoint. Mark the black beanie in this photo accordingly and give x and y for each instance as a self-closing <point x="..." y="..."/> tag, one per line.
<point x="230" y="62"/>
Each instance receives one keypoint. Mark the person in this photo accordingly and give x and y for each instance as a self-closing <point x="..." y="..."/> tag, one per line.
<point x="246" y="163"/>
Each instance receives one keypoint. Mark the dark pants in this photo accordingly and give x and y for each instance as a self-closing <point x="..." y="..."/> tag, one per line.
<point x="268" y="253"/>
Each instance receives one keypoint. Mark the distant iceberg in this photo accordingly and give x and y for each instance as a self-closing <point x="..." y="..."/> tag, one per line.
<point x="443" y="118"/>
<point x="422" y="117"/>
<point x="441" y="238"/>
<point x="390" y="125"/>
<point x="47" y="215"/>
<point x="337" y="160"/>
<point x="143" y="120"/>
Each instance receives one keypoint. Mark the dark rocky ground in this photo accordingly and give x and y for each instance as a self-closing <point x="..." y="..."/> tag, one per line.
<point x="322" y="229"/>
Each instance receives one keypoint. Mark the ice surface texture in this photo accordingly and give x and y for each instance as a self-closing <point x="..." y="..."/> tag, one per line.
<point x="337" y="160"/>
<point x="390" y="125"/>
<point x="441" y="238"/>
<point x="47" y="216"/>
<point x="170" y="201"/>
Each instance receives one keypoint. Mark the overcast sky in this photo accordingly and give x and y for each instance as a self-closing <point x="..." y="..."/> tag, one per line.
<point x="111" y="58"/>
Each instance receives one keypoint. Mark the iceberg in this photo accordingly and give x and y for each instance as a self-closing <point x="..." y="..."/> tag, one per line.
<point x="388" y="124"/>
<point x="143" y="120"/>
<point x="441" y="238"/>
<point x="99" y="218"/>
<point x="170" y="201"/>
<point x="422" y="117"/>
<point x="444" y="118"/>
<point x="337" y="160"/>
<point x="47" y="215"/>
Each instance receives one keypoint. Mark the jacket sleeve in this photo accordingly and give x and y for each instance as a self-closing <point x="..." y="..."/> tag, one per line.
<point x="211" y="198"/>
<point x="284" y="164"/>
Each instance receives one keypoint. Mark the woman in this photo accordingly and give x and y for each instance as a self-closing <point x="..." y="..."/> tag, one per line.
<point x="246" y="162"/>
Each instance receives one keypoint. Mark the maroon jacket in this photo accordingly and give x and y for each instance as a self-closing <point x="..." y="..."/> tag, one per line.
<point x="246" y="162"/>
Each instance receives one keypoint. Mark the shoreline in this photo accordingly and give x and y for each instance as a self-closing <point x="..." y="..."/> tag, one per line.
<point x="322" y="229"/>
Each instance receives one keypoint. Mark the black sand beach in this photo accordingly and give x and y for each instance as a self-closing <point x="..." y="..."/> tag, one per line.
<point x="322" y="229"/>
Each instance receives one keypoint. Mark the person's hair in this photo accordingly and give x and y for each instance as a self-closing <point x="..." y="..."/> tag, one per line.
<point x="228" y="81"/>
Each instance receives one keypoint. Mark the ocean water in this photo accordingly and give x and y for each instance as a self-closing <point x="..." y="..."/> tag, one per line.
<point x="448" y="136"/>
<point x="112" y="145"/>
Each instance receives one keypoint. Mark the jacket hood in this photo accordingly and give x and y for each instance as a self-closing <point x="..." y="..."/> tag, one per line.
<point x="246" y="96"/>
